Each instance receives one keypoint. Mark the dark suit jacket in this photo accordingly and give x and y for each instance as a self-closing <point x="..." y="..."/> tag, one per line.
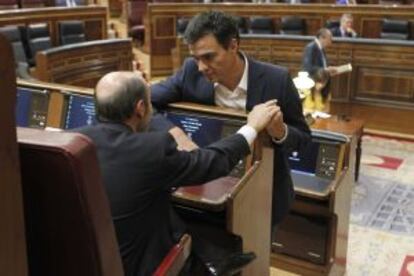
<point x="337" y="33"/>
<point x="313" y="61"/>
<point x="139" y="170"/>
<point x="265" y="82"/>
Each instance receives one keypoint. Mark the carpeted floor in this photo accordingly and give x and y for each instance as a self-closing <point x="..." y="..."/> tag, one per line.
<point x="382" y="216"/>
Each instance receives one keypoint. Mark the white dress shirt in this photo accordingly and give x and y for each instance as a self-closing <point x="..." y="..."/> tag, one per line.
<point x="237" y="98"/>
<point x="249" y="133"/>
<point x="325" y="65"/>
<point x="224" y="97"/>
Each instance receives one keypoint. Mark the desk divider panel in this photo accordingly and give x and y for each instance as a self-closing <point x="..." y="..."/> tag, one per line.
<point x="13" y="260"/>
<point x="245" y="200"/>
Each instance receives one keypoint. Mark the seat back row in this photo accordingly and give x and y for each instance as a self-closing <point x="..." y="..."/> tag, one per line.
<point x="259" y="25"/>
<point x="28" y="40"/>
<point x="391" y="29"/>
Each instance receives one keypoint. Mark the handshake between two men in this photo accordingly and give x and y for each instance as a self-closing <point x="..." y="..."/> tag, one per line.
<point x="263" y="116"/>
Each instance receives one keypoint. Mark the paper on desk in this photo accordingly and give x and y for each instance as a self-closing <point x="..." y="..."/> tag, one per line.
<point x="53" y="129"/>
<point x="344" y="68"/>
<point x="320" y="114"/>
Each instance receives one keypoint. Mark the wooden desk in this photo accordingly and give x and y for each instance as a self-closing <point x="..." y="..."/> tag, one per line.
<point x="245" y="202"/>
<point x="321" y="218"/>
<point x="95" y="18"/>
<point x="352" y="127"/>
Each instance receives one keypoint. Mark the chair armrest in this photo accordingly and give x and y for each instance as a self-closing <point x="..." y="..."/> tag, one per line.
<point x="23" y="71"/>
<point x="174" y="261"/>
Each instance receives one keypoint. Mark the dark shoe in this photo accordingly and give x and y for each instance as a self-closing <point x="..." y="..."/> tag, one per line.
<point x="230" y="265"/>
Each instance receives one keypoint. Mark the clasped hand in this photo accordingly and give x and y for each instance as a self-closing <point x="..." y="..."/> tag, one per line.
<point x="267" y="115"/>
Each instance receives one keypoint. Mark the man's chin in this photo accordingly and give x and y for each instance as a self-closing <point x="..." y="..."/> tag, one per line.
<point x="211" y="78"/>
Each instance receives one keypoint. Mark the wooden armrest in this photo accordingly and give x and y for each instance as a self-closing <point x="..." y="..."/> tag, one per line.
<point x="174" y="261"/>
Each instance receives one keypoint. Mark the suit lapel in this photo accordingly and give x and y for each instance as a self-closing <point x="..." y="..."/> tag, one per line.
<point x="207" y="89"/>
<point x="255" y="87"/>
<point x="324" y="59"/>
<point x="319" y="55"/>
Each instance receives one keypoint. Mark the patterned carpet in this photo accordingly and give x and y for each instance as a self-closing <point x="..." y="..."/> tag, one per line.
<point x="382" y="216"/>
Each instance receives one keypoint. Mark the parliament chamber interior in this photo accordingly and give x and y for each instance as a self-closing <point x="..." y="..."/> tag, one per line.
<point x="352" y="213"/>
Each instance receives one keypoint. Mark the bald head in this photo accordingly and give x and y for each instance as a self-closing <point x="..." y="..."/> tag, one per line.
<point x="117" y="94"/>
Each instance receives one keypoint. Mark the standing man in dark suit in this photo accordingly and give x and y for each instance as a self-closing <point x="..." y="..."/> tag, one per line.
<point x="140" y="169"/>
<point x="314" y="57"/>
<point x="345" y="28"/>
<point x="219" y="74"/>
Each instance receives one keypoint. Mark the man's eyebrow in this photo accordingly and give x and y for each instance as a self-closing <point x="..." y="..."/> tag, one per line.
<point x="202" y="55"/>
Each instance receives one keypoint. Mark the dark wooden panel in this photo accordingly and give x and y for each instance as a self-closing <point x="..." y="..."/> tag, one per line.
<point x="94" y="29"/>
<point x="84" y="64"/>
<point x="115" y="7"/>
<point x="386" y="84"/>
<point x="164" y="27"/>
<point x="367" y="20"/>
<point x="13" y="259"/>
<point x="378" y="117"/>
<point x="369" y="28"/>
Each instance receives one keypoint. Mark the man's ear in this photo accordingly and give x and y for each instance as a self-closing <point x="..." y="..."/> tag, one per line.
<point x="140" y="109"/>
<point x="234" y="45"/>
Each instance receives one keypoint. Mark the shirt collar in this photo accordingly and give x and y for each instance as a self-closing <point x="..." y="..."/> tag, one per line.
<point x="319" y="44"/>
<point x="243" y="81"/>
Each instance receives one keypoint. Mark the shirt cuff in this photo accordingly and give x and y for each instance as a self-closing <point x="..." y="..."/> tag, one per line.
<point x="249" y="133"/>
<point x="281" y="140"/>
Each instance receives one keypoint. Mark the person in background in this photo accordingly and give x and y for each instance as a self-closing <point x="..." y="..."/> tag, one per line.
<point x="346" y="2"/>
<point x="112" y="31"/>
<point x="345" y="28"/>
<point x="141" y="168"/>
<point x="315" y="59"/>
<point x="316" y="100"/>
<point x="296" y="1"/>
<point x="218" y="73"/>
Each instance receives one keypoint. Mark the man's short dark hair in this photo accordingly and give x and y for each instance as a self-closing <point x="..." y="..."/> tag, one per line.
<point x="119" y="105"/>
<point x="223" y="26"/>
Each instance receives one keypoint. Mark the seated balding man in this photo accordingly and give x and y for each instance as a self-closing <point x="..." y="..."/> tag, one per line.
<point x="139" y="169"/>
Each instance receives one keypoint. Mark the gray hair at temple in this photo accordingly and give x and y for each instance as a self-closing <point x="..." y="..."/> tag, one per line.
<point x="346" y="16"/>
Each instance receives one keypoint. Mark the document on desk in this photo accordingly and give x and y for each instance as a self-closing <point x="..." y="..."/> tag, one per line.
<point x="344" y="68"/>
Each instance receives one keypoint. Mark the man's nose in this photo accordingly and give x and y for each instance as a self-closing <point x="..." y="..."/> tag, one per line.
<point x="201" y="66"/>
